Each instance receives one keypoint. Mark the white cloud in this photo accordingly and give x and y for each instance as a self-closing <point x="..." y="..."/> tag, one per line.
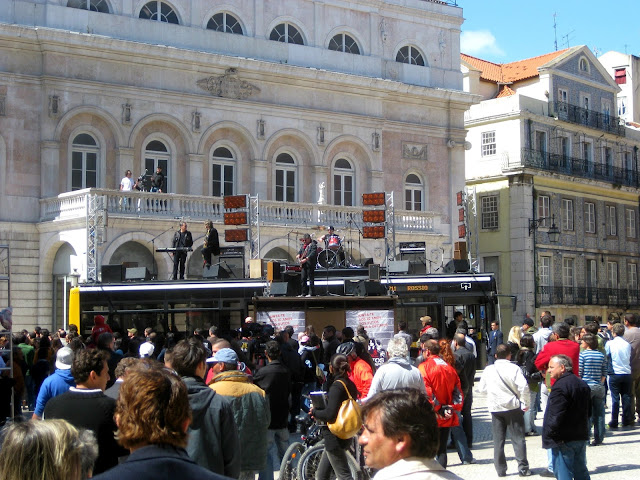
<point x="480" y="43"/>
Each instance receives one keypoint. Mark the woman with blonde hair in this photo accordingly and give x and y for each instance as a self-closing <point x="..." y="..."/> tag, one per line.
<point x="513" y="341"/>
<point x="51" y="449"/>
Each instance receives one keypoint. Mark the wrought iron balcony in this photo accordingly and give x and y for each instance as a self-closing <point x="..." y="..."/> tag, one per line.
<point x="577" y="167"/>
<point x="613" y="297"/>
<point x="589" y="118"/>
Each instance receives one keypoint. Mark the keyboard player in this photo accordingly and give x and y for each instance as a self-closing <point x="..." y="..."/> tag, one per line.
<point x="182" y="241"/>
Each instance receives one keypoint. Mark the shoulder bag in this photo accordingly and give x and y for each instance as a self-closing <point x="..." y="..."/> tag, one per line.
<point x="349" y="420"/>
<point x="319" y="373"/>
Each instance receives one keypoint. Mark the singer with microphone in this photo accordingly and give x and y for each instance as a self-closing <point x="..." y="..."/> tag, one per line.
<point x="182" y="241"/>
<point x="211" y="243"/>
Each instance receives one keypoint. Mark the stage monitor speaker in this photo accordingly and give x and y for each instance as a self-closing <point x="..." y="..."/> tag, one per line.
<point x="273" y="271"/>
<point x="136" y="274"/>
<point x="374" y="271"/>
<point x="293" y="279"/>
<point x="112" y="273"/>
<point x="215" y="271"/>
<point x="280" y="289"/>
<point x="399" y="266"/>
<point x="351" y="286"/>
<point x="456" y="266"/>
<point x="417" y="268"/>
<point x="367" y="261"/>
<point x="370" y="288"/>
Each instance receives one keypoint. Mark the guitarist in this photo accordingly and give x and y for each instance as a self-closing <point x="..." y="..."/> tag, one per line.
<point x="211" y="243"/>
<point x="308" y="257"/>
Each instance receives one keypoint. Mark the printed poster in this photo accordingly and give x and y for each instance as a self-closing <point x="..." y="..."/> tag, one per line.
<point x="279" y="320"/>
<point x="379" y="327"/>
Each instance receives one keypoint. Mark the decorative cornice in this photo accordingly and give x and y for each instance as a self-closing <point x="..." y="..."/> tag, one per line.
<point x="228" y="85"/>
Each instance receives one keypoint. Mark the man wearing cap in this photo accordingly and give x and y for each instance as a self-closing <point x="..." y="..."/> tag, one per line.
<point x="250" y="410"/>
<point x="213" y="437"/>
<point x="58" y="383"/>
<point x="528" y="325"/>
<point x="308" y="257"/>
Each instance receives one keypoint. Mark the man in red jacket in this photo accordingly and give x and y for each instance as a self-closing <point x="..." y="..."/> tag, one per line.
<point x="444" y="391"/>
<point x="559" y="344"/>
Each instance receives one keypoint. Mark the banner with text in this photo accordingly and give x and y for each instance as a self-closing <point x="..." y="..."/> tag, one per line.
<point x="379" y="327"/>
<point x="279" y="320"/>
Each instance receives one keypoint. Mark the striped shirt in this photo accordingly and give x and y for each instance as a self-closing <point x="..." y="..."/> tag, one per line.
<point x="593" y="366"/>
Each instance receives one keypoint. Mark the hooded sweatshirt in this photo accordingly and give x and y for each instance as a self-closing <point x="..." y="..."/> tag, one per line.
<point x="53" y="385"/>
<point x="396" y="373"/>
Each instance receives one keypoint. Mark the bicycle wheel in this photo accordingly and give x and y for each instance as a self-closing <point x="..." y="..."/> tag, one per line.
<point x="308" y="464"/>
<point x="290" y="461"/>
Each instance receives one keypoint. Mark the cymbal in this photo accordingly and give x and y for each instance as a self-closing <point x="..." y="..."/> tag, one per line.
<point x="319" y="227"/>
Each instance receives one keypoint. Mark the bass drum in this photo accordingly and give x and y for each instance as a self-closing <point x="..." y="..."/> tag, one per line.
<point x="327" y="259"/>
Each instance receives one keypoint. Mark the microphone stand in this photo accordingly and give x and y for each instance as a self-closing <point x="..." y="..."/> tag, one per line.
<point x="352" y="222"/>
<point x="153" y="253"/>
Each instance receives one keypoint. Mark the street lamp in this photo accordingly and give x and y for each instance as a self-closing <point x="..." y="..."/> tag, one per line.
<point x="554" y="232"/>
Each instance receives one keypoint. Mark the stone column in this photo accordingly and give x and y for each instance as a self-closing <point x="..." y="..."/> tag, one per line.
<point x="124" y="162"/>
<point x="195" y="174"/>
<point x="259" y="174"/>
<point x="50" y="169"/>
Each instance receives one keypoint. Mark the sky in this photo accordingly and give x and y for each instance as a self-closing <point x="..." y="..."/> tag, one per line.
<point x="502" y="31"/>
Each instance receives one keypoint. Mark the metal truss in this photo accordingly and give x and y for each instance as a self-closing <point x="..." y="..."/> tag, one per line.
<point x="254" y="227"/>
<point x="390" y="237"/>
<point x="96" y="223"/>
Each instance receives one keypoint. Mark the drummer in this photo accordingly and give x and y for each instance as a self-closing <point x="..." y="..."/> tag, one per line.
<point x="331" y="240"/>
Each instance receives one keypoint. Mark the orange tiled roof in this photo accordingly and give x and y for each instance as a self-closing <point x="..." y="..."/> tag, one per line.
<point x="505" y="91"/>
<point x="510" y="72"/>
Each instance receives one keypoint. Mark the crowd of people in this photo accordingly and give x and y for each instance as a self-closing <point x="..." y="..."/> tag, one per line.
<point x="223" y="405"/>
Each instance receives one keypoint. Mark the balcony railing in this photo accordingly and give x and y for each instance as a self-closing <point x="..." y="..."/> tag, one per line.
<point x="613" y="297"/>
<point x="590" y="118"/>
<point x="73" y="205"/>
<point x="577" y="167"/>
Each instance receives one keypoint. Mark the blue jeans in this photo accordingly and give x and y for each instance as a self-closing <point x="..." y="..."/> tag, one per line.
<point x="620" y="386"/>
<point x="570" y="461"/>
<point x="277" y="444"/>
<point x="460" y="441"/>
<point x="598" y="394"/>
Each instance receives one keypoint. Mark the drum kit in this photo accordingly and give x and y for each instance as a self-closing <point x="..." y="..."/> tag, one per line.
<point x="332" y="255"/>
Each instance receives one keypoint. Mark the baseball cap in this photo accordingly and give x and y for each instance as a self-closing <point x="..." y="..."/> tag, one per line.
<point x="224" y="355"/>
<point x="146" y="349"/>
<point x="64" y="358"/>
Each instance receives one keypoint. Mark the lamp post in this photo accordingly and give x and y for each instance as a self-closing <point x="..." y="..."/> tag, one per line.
<point x="554" y="231"/>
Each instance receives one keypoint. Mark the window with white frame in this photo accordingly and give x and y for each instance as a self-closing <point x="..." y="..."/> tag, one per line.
<point x="343" y="183"/>
<point x="544" y="271"/>
<point x="286" y="33"/>
<point x="488" y="143"/>
<point x="565" y="147"/>
<point x="631" y="223"/>
<point x="568" y="272"/>
<point x="541" y="141"/>
<point x="156" y="154"/>
<point x="622" y="106"/>
<point x="627" y="163"/>
<point x="632" y="277"/>
<point x="592" y="273"/>
<point x="584" y="65"/>
<point x="587" y="153"/>
<point x="567" y="214"/>
<point x="159" y="11"/>
<point x="94" y="5"/>
<point x="612" y="274"/>
<point x="84" y="162"/>
<point x="607" y="160"/>
<point x="563" y="95"/>
<point x="590" y="217"/>
<point x="586" y="102"/>
<point x="344" y="42"/>
<point x="606" y="111"/>
<point x="225" y="22"/>
<point x="413" y="192"/>
<point x="612" y="223"/>
<point x="543" y="210"/>
<point x="223" y="166"/>
<point x="286" y="173"/>
<point x="410" y="54"/>
<point x="490" y="215"/>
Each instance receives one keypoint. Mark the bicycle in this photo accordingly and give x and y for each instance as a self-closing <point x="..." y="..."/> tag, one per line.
<point x="311" y="435"/>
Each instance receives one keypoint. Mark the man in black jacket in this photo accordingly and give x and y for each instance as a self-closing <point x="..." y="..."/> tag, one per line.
<point x="211" y="243"/>
<point x="213" y="437"/>
<point x="565" y="429"/>
<point x="182" y="241"/>
<point x="308" y="257"/>
<point x="275" y="379"/>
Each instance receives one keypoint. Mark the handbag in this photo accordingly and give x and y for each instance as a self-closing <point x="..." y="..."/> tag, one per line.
<point x="349" y="420"/>
<point x="319" y="372"/>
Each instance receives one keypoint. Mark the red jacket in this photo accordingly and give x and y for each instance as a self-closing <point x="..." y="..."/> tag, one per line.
<point x="559" y="347"/>
<point x="362" y="375"/>
<point x="443" y="388"/>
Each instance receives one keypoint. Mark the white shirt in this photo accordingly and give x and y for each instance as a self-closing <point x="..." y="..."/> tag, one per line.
<point x="620" y="351"/>
<point x="541" y="337"/>
<point x="496" y="380"/>
<point x="126" y="184"/>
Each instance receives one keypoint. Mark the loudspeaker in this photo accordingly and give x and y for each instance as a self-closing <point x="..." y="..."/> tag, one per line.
<point x="417" y="268"/>
<point x="215" y="271"/>
<point x="112" y="273"/>
<point x="280" y="289"/>
<point x="374" y="271"/>
<point x="351" y="286"/>
<point x="367" y="262"/>
<point x="399" y="266"/>
<point x="293" y="279"/>
<point x="370" y="288"/>
<point x="456" y="266"/>
<point x="136" y="274"/>
<point x="273" y="271"/>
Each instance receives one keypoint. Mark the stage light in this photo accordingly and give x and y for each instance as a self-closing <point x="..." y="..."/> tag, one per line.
<point x="461" y="215"/>
<point x="373" y="216"/>
<point x="238" y="235"/>
<point x="235" y="218"/>
<point x="377" y="231"/>
<point x="462" y="231"/>
<point x="235" y="201"/>
<point x="373" y="199"/>
<point x="459" y="198"/>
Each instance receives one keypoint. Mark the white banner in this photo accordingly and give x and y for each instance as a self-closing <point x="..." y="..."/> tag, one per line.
<point x="279" y="320"/>
<point x="379" y="327"/>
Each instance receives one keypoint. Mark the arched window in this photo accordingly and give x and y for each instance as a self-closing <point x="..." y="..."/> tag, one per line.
<point x="84" y="162"/>
<point x="584" y="65"/>
<point x="286" y="173"/>
<point x="225" y="22"/>
<point x="94" y="5"/>
<point x="343" y="42"/>
<point x="159" y="11"/>
<point x="343" y="187"/>
<point x="287" y="33"/>
<point x="413" y="193"/>
<point x="223" y="166"/>
<point x="157" y="155"/>
<point x="411" y="55"/>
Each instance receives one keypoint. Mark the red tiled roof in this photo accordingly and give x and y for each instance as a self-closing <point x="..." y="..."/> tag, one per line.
<point x="510" y="72"/>
<point x="505" y="91"/>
